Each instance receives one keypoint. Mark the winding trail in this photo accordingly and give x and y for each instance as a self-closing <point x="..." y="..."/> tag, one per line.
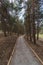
<point x="23" y="55"/>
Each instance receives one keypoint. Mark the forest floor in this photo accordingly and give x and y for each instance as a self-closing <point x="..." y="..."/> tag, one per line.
<point x="6" y="47"/>
<point x="38" y="47"/>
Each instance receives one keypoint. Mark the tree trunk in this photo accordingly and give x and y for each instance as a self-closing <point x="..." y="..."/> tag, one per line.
<point x="34" y="37"/>
<point x="37" y="30"/>
<point x="5" y="34"/>
<point x="30" y="31"/>
<point x="3" y="23"/>
<point x="34" y="29"/>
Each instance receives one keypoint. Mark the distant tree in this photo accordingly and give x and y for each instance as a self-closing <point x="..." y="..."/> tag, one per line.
<point x="33" y="14"/>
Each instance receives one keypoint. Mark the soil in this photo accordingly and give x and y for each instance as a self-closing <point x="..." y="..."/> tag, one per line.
<point x="38" y="47"/>
<point x="6" y="46"/>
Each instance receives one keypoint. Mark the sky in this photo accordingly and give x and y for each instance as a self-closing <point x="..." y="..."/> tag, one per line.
<point x="41" y="8"/>
<point x="22" y="12"/>
<point x="14" y="0"/>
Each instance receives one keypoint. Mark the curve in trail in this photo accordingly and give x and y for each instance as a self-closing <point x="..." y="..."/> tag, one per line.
<point x="23" y="55"/>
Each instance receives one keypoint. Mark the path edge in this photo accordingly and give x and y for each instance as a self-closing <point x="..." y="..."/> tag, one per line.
<point x="35" y="53"/>
<point x="11" y="55"/>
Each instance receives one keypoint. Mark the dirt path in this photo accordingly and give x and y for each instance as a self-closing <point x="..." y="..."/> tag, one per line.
<point x="23" y="55"/>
